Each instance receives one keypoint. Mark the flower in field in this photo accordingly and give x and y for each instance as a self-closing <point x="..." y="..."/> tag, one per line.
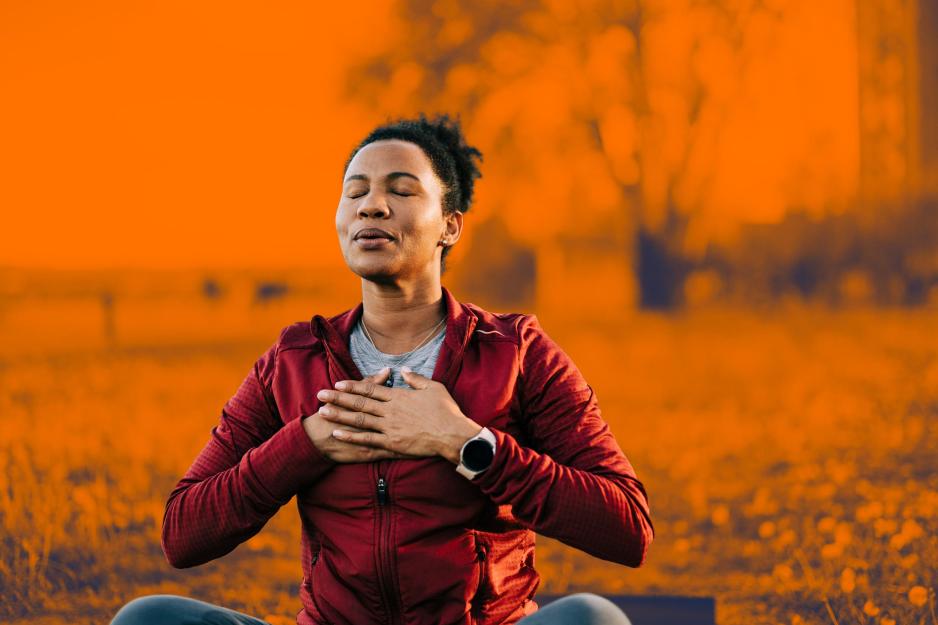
<point x="786" y="538"/>
<point x="783" y="572"/>
<point x="885" y="526"/>
<point x="766" y="529"/>
<point x="912" y="529"/>
<point x="909" y="532"/>
<point x="832" y="550"/>
<point x="928" y="504"/>
<point x="827" y="524"/>
<point x="870" y="609"/>
<point x="898" y="541"/>
<point x="848" y="580"/>
<point x="869" y="512"/>
<point x="918" y="596"/>
<point x="843" y="533"/>
<point x="720" y="515"/>
<point x="887" y="621"/>
<point x="909" y="561"/>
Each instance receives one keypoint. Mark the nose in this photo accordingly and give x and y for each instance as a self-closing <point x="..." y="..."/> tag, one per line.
<point x="373" y="206"/>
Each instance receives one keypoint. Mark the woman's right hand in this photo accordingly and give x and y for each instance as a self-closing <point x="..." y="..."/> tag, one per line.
<point x="320" y="430"/>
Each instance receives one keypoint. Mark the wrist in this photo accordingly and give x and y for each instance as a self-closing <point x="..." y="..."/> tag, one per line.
<point x="452" y="443"/>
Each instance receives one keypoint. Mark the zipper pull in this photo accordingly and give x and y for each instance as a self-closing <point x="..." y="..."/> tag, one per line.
<point x="382" y="491"/>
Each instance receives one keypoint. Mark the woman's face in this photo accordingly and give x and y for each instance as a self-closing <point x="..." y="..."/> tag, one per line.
<point x="390" y="185"/>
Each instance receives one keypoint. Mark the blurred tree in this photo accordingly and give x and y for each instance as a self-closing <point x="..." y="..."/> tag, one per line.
<point x="652" y="129"/>
<point x="496" y="270"/>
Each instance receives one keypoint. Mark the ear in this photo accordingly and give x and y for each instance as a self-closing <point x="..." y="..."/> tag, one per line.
<point x="454" y="224"/>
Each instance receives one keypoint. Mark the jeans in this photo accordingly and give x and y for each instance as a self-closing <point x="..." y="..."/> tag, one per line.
<point x="583" y="608"/>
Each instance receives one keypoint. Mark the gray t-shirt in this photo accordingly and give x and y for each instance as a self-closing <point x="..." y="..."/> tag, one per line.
<point x="371" y="360"/>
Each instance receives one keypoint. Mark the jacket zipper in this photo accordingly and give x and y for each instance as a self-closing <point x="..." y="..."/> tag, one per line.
<point x="390" y="595"/>
<point x="385" y="577"/>
<point x="384" y="556"/>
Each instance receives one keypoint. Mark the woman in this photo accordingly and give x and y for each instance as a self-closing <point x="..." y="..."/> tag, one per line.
<point x="425" y="439"/>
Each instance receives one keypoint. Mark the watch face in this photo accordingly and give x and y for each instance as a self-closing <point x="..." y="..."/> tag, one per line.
<point x="478" y="455"/>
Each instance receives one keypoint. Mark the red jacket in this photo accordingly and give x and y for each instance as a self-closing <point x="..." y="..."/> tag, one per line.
<point x="434" y="546"/>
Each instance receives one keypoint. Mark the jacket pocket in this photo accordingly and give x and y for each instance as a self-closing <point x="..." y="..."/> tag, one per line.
<point x="482" y="560"/>
<point x="312" y="585"/>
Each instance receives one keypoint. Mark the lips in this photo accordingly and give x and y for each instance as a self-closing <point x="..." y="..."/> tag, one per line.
<point x="373" y="233"/>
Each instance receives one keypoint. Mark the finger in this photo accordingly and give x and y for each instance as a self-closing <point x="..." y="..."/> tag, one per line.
<point x="359" y="420"/>
<point x="352" y="401"/>
<point x="381" y="377"/>
<point x="369" y="439"/>
<point x="366" y="388"/>
<point x="350" y="428"/>
<point x="414" y="379"/>
<point x="378" y="453"/>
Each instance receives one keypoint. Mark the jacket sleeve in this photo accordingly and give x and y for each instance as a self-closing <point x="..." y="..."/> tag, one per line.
<point x="575" y="484"/>
<point x="250" y="467"/>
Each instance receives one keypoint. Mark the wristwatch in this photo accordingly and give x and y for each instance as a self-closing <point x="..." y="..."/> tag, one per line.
<point x="476" y="454"/>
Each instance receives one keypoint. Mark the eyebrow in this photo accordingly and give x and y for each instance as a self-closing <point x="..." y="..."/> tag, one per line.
<point x="390" y="176"/>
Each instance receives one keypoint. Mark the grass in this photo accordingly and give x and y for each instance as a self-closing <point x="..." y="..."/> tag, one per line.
<point x="788" y="457"/>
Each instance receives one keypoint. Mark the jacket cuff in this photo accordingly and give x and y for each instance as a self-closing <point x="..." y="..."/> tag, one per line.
<point x="488" y="478"/>
<point x="284" y="464"/>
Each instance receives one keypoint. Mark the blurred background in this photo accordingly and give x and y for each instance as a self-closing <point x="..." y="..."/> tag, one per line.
<point x="726" y="212"/>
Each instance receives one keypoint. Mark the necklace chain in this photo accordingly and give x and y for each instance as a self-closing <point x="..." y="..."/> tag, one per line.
<point x="401" y="357"/>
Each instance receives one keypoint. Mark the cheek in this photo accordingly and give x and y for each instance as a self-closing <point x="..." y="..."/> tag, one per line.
<point x="421" y="238"/>
<point x="342" y="218"/>
<point x="427" y="225"/>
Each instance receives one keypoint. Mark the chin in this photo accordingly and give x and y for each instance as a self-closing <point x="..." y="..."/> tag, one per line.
<point x="374" y="271"/>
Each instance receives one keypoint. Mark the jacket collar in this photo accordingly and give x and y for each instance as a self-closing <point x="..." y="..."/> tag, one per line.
<point x="336" y="331"/>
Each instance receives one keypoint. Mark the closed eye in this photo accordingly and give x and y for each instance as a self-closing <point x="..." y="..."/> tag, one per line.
<point x="394" y="192"/>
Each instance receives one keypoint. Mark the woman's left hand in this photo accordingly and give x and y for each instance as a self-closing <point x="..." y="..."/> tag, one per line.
<point x="423" y="420"/>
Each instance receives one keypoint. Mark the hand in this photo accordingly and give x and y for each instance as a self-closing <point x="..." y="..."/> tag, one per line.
<point x="320" y="432"/>
<point x="421" y="421"/>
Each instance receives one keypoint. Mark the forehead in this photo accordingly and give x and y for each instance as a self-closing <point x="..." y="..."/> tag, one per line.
<point x="380" y="158"/>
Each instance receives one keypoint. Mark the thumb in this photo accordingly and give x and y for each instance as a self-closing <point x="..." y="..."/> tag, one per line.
<point x="414" y="379"/>
<point x="380" y="377"/>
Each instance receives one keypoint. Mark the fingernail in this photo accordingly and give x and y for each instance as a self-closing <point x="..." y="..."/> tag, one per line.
<point x="341" y="385"/>
<point x="338" y="433"/>
<point x="406" y="369"/>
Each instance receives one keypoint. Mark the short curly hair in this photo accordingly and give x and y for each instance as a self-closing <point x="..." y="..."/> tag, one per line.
<point x="442" y="140"/>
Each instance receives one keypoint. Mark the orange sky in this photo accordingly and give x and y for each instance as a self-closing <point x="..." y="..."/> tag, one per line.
<point x="175" y="133"/>
<point x="180" y="134"/>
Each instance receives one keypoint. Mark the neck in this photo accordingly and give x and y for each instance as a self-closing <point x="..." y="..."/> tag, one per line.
<point x="400" y="316"/>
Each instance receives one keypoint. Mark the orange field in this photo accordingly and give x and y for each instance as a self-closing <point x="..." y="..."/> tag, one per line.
<point x="170" y="177"/>
<point x="788" y="453"/>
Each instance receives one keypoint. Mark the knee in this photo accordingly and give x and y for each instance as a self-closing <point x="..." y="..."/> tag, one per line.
<point x="588" y="607"/>
<point x="147" y="610"/>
